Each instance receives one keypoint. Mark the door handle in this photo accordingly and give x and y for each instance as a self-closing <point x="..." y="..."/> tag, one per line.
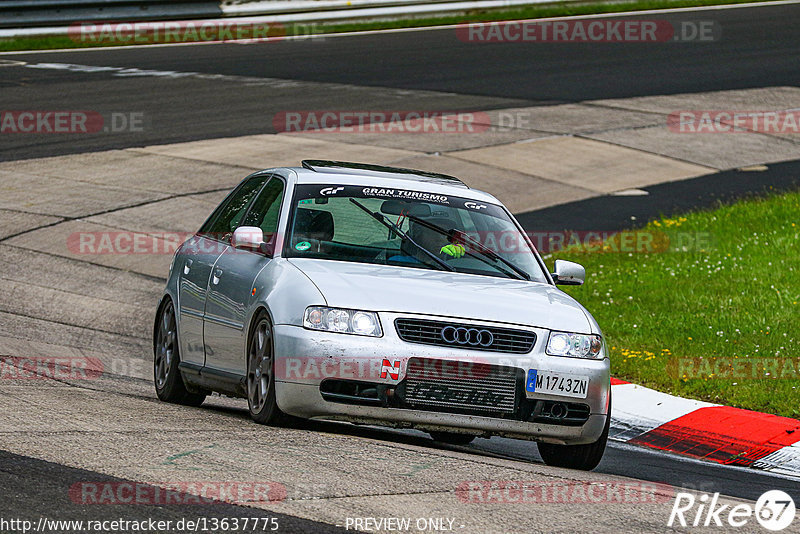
<point x="217" y="276"/>
<point x="187" y="266"/>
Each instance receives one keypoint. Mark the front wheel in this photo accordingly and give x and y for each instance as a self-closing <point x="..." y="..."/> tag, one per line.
<point x="583" y="457"/>
<point x="260" y="374"/>
<point x="166" y="357"/>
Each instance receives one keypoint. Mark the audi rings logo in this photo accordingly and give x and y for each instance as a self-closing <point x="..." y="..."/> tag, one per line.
<point x="467" y="336"/>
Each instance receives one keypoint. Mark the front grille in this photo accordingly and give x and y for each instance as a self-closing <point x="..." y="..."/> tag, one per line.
<point x="461" y="387"/>
<point x="455" y="335"/>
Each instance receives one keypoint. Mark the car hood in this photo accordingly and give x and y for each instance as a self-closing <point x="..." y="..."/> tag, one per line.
<point x="447" y="294"/>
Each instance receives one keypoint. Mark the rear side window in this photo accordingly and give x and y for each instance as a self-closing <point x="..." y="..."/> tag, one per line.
<point x="227" y="217"/>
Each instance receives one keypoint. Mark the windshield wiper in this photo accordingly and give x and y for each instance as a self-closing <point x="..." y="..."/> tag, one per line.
<point x="381" y="218"/>
<point x="480" y="247"/>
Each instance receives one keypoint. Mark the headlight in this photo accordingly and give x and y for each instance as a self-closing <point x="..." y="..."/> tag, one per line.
<point x="362" y="323"/>
<point x="575" y="345"/>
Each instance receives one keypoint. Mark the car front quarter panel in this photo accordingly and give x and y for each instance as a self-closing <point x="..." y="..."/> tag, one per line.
<point x="285" y="291"/>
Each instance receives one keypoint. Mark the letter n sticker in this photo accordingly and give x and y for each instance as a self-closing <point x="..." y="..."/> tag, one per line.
<point x="390" y="368"/>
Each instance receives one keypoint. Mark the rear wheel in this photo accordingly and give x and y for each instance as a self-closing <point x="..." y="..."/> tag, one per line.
<point x="260" y="374"/>
<point x="166" y="357"/>
<point x="584" y="457"/>
<point x="452" y="438"/>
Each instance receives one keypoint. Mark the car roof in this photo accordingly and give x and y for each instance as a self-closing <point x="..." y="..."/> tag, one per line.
<point x="363" y="174"/>
<point x="367" y="169"/>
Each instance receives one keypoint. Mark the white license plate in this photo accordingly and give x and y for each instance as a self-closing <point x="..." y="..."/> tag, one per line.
<point x="557" y="384"/>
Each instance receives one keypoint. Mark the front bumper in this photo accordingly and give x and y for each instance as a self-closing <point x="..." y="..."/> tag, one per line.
<point x="304" y="359"/>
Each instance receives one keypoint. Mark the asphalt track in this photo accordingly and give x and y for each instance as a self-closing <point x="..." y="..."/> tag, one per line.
<point x="615" y="213"/>
<point x="37" y="488"/>
<point x="34" y="488"/>
<point x="430" y="70"/>
<point x="425" y="70"/>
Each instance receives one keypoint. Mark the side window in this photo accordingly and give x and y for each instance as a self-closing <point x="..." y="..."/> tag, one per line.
<point x="266" y="209"/>
<point x="228" y="215"/>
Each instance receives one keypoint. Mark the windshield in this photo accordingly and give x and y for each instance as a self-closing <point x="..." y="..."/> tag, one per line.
<point x="409" y="229"/>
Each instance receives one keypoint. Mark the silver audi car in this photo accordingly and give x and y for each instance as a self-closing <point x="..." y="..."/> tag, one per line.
<point x="387" y="296"/>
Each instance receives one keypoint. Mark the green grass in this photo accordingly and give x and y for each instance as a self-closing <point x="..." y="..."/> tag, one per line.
<point x="670" y="317"/>
<point x="529" y="12"/>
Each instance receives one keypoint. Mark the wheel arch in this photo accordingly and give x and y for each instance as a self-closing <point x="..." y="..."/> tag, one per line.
<point x="161" y="303"/>
<point x="252" y="322"/>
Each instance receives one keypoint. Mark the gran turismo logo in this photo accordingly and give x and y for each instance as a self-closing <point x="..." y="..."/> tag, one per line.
<point x="330" y="191"/>
<point x="474" y="206"/>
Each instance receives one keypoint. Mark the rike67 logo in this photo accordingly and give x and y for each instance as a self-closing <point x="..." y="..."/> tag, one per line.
<point x="774" y="510"/>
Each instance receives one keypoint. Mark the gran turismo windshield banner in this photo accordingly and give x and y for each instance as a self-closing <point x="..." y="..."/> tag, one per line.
<point x="322" y="191"/>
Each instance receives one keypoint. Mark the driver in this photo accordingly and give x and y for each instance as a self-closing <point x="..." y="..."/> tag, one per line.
<point x="432" y="240"/>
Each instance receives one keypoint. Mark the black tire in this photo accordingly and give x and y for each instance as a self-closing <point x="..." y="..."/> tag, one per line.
<point x="583" y="457"/>
<point x="166" y="357"/>
<point x="452" y="438"/>
<point x="261" y="373"/>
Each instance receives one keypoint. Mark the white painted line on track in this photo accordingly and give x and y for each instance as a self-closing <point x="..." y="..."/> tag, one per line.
<point x="274" y="83"/>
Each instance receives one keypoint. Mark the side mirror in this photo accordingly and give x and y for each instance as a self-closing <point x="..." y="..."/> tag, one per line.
<point x="249" y="238"/>
<point x="569" y="273"/>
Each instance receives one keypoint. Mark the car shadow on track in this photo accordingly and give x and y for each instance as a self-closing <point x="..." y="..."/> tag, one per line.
<point x="620" y="460"/>
<point x="402" y="436"/>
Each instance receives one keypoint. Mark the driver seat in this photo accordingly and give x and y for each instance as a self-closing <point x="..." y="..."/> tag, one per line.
<point x="314" y="226"/>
